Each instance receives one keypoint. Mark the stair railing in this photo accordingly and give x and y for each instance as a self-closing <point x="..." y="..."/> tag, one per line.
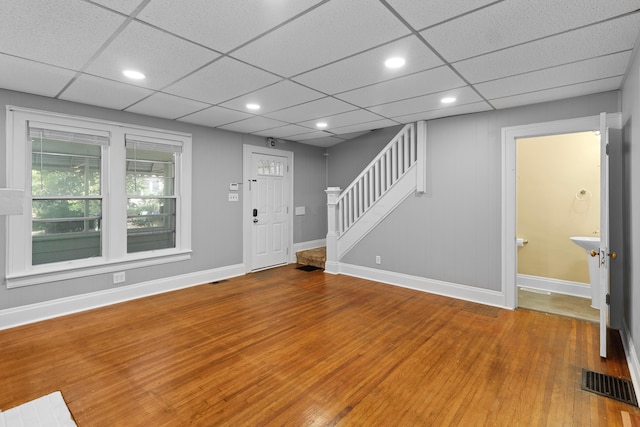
<point x="403" y="152"/>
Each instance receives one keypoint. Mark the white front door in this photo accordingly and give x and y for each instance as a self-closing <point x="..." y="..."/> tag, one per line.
<point x="267" y="201"/>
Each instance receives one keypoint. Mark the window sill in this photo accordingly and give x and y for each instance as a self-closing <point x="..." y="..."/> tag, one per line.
<point x="66" y="273"/>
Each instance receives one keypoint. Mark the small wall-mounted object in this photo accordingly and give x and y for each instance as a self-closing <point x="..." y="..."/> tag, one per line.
<point x="233" y="197"/>
<point x="301" y="210"/>
<point x="233" y="186"/>
<point x="520" y="242"/>
<point x="11" y="201"/>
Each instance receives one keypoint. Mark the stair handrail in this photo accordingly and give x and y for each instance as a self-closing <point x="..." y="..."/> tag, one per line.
<point x="408" y="131"/>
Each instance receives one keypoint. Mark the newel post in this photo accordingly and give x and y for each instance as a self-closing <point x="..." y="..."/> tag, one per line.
<point x="331" y="264"/>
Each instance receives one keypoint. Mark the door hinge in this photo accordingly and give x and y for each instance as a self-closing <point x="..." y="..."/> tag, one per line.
<point x="607" y="149"/>
<point x="608" y="299"/>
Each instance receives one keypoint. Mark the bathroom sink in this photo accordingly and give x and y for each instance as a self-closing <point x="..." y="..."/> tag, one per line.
<point x="587" y="243"/>
<point x="591" y="244"/>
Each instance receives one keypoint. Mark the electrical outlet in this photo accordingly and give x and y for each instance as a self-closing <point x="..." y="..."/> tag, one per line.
<point x="378" y="259"/>
<point x="119" y="277"/>
<point x="233" y="197"/>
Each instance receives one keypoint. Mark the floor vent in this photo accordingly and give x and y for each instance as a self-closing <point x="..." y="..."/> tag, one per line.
<point x="308" y="268"/>
<point x="608" y="386"/>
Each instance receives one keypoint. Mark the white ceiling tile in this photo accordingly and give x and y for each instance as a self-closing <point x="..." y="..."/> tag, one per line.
<point x="275" y="97"/>
<point x="166" y="106"/>
<point x="582" y="71"/>
<point x="253" y="124"/>
<point x="327" y="141"/>
<point x="368" y="67"/>
<point x="603" y="85"/>
<point x="344" y="119"/>
<point x="221" y="24"/>
<point x="421" y="14"/>
<point x="283" y="131"/>
<point x="475" y="107"/>
<point x="58" y="33"/>
<point x="33" y="77"/>
<point x="352" y="135"/>
<point x="122" y="6"/>
<point x="608" y="37"/>
<point x="422" y="83"/>
<point x="161" y="57"/>
<point x="327" y="106"/>
<point x="464" y="95"/>
<point x="311" y="135"/>
<point x="215" y="116"/>
<point x="520" y="21"/>
<point x="104" y="93"/>
<point x="334" y="30"/>
<point x="375" y="124"/>
<point x="223" y="80"/>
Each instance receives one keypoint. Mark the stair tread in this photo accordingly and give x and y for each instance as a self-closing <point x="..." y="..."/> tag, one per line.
<point x="315" y="257"/>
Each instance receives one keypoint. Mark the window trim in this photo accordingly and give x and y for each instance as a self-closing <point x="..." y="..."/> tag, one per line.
<point x="19" y="271"/>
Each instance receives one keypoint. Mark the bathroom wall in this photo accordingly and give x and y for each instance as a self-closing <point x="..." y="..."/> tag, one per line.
<point x="558" y="196"/>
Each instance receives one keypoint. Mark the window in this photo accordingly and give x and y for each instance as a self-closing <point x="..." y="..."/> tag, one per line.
<point x="99" y="196"/>
<point x="151" y="199"/>
<point x="66" y="200"/>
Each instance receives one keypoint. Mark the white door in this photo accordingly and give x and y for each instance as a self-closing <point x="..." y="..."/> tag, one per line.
<point x="269" y="210"/>
<point x="605" y="251"/>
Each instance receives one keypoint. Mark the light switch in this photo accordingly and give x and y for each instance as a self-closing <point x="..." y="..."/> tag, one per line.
<point x="233" y="197"/>
<point x="300" y="210"/>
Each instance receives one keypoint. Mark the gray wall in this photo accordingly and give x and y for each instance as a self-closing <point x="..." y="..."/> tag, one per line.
<point x="631" y="204"/>
<point x="453" y="233"/>
<point x="347" y="160"/>
<point x="216" y="223"/>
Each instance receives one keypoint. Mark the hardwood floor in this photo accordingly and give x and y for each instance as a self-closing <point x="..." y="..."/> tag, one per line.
<point x="287" y="347"/>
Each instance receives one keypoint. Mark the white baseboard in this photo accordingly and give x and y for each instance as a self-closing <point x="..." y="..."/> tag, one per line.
<point x="31" y="313"/>
<point x="556" y="286"/>
<point x="631" y="356"/>
<point x="453" y="290"/>
<point x="303" y="246"/>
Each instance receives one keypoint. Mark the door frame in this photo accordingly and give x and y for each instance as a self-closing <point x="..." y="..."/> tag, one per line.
<point x="509" y="214"/>
<point x="247" y="151"/>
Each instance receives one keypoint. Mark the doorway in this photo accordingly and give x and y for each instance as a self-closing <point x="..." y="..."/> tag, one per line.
<point x="557" y="197"/>
<point x="267" y="217"/>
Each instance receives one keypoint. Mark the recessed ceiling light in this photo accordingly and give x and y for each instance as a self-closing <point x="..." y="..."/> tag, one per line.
<point x="448" y="100"/>
<point x="133" y="74"/>
<point x="396" y="62"/>
<point x="321" y="125"/>
<point x="253" y="106"/>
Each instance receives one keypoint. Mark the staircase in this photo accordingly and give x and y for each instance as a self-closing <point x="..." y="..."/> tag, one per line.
<point x="398" y="171"/>
<point x="315" y="257"/>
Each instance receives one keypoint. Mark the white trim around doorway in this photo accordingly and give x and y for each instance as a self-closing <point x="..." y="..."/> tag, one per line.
<point x="509" y="137"/>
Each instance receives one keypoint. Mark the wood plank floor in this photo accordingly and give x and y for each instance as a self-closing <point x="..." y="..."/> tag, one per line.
<point x="287" y="347"/>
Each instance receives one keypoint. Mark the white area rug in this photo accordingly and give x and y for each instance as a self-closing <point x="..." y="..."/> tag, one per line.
<point x="46" y="411"/>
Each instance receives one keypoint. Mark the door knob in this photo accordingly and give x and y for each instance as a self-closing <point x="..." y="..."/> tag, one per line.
<point x="255" y="220"/>
<point x="613" y="254"/>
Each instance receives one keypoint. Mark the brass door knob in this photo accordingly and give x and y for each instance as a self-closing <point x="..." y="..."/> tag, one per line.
<point x="613" y="255"/>
<point x="594" y="253"/>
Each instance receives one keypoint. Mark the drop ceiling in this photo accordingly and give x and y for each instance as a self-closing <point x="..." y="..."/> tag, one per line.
<point x="310" y="61"/>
